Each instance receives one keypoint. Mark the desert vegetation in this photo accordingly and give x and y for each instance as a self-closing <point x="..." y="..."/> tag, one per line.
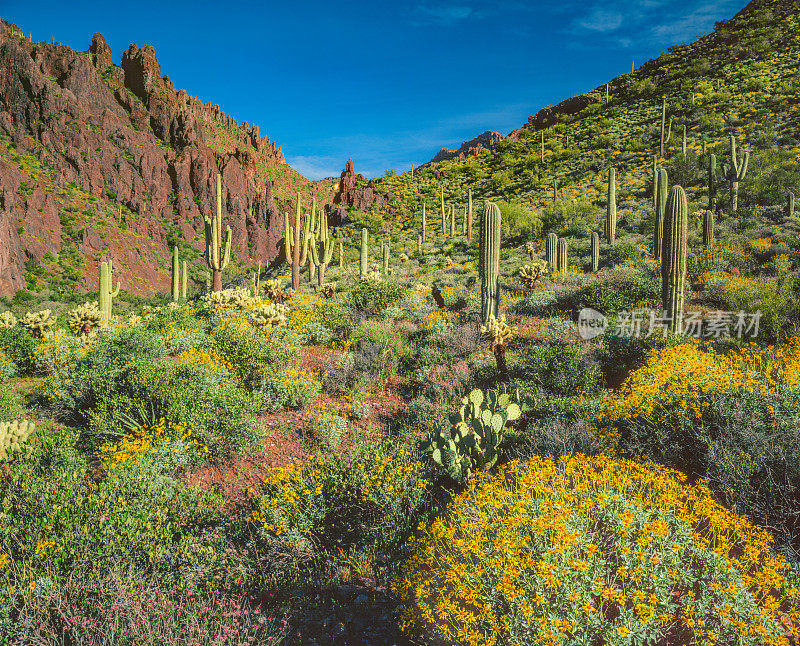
<point x="546" y="394"/>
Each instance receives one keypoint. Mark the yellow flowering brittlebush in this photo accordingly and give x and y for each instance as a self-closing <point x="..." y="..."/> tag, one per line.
<point x="677" y="384"/>
<point x="294" y="499"/>
<point x="146" y="439"/>
<point x="218" y="365"/>
<point x="594" y="550"/>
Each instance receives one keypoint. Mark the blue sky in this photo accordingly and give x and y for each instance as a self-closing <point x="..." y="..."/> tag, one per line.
<point x="387" y="84"/>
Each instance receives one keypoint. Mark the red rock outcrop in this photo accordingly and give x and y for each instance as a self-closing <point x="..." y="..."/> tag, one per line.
<point x="484" y="141"/>
<point x="120" y="137"/>
<point x="354" y="192"/>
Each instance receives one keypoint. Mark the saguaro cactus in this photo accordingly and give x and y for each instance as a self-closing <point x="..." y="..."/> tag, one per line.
<point x="469" y="219"/>
<point x="106" y="295"/>
<point x="673" y="258"/>
<point x="296" y="247"/>
<point x="489" y="260"/>
<point x="362" y="267"/>
<point x="655" y="179"/>
<point x="790" y="205"/>
<point x="385" y="259"/>
<point x="712" y="181"/>
<point x="452" y="220"/>
<point x="176" y="274"/>
<point x="708" y="229"/>
<point x="444" y="216"/>
<point x="736" y="172"/>
<point x="663" y="119"/>
<point x="594" y="247"/>
<point x="661" y="203"/>
<point x="424" y="224"/>
<point x="184" y="280"/>
<point x="321" y="247"/>
<point x="341" y="258"/>
<point x="561" y="255"/>
<point x="217" y="260"/>
<point x="611" y="206"/>
<point x="550" y="250"/>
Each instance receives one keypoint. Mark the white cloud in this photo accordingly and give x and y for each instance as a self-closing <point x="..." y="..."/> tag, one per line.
<point x="601" y="20"/>
<point x="314" y="166"/>
<point x="442" y="14"/>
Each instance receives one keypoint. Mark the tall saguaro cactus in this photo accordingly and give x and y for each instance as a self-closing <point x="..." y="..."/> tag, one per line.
<point x="663" y="119"/>
<point x="385" y="259"/>
<point x="736" y="172"/>
<point x="452" y="220"/>
<point x="712" y="181"/>
<point x="176" y="274"/>
<point x="550" y="250"/>
<point x="184" y="281"/>
<point x="444" y="215"/>
<point x="674" y="257"/>
<point x="489" y="260"/>
<point x="296" y="247"/>
<point x="655" y="179"/>
<point x="611" y="206"/>
<point x="661" y="203"/>
<point x="469" y="219"/>
<point x="106" y="294"/>
<point x="424" y="223"/>
<point x="362" y="267"/>
<point x="561" y="255"/>
<point x="321" y="248"/>
<point x="216" y="258"/>
<point x="594" y="247"/>
<point x="708" y="229"/>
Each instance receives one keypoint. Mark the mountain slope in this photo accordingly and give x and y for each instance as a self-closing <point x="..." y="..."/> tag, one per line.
<point x="742" y="79"/>
<point x="104" y="160"/>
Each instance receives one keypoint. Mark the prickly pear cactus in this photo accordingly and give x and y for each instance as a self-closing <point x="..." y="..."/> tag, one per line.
<point x="84" y="319"/>
<point x="475" y="438"/>
<point x="38" y="324"/>
<point x="12" y="436"/>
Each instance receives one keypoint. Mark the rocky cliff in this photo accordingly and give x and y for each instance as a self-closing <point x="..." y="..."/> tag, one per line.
<point x="484" y="141"/>
<point x="98" y="160"/>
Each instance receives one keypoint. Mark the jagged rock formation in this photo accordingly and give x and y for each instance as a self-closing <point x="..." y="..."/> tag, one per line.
<point x="353" y="192"/>
<point x="76" y="128"/>
<point x="484" y="141"/>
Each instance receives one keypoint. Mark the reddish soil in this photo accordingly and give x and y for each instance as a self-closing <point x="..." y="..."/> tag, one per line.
<point x="291" y="434"/>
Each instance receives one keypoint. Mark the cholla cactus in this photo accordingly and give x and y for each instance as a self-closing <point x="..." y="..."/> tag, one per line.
<point x="38" y="324"/>
<point x="133" y="320"/>
<point x="273" y="289"/>
<point x="7" y="320"/>
<point x="268" y="315"/>
<point x="499" y="332"/>
<point x="84" y="319"/>
<point x="530" y="248"/>
<point x="229" y="299"/>
<point x="403" y="257"/>
<point x="373" y="275"/>
<point x="529" y="275"/>
<point x="328" y="290"/>
<point x="12" y="436"/>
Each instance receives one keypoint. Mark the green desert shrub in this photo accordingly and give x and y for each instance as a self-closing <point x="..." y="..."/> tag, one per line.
<point x="518" y="221"/>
